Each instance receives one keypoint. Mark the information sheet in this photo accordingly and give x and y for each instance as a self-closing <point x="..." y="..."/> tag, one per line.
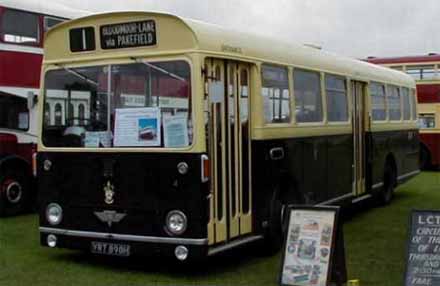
<point x="308" y="247"/>
<point x="175" y="129"/>
<point x="137" y="127"/>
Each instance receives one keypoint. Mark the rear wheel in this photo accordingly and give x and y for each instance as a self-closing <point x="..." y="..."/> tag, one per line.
<point x="425" y="158"/>
<point x="14" y="192"/>
<point x="389" y="182"/>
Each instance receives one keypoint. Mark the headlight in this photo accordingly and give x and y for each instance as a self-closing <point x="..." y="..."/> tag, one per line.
<point x="176" y="222"/>
<point x="54" y="213"/>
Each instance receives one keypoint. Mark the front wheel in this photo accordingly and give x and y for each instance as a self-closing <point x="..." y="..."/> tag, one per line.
<point x="13" y="192"/>
<point x="273" y="236"/>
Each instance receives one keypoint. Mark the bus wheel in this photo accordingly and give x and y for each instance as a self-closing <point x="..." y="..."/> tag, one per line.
<point x="13" y="193"/>
<point x="273" y="236"/>
<point x="389" y="182"/>
<point x="425" y="159"/>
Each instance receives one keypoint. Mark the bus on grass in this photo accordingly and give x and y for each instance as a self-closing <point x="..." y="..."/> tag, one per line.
<point x="22" y="28"/>
<point x="425" y="70"/>
<point x="194" y="138"/>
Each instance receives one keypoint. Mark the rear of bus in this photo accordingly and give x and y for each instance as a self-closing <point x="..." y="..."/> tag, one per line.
<point x="120" y="160"/>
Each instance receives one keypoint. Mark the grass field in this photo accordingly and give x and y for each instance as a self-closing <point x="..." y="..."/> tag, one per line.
<point x="375" y="240"/>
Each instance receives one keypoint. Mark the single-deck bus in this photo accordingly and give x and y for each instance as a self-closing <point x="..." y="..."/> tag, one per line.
<point x="22" y="27"/>
<point x="193" y="138"/>
<point x="425" y="70"/>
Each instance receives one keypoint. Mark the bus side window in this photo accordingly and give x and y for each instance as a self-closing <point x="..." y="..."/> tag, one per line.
<point x="336" y="92"/>
<point x="406" y="104"/>
<point x="394" y="107"/>
<point x="275" y="92"/>
<point x="378" y="102"/>
<point x="307" y="92"/>
<point x="413" y="104"/>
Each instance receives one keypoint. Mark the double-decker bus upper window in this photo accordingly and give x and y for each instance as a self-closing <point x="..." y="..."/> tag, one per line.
<point x="406" y="104"/>
<point x="49" y="22"/>
<point x="13" y="112"/>
<point x="378" y="101"/>
<point x="91" y="117"/>
<point x="413" y="104"/>
<point x="275" y="92"/>
<point x="427" y="120"/>
<point x="397" y="68"/>
<point x="394" y="108"/>
<point x="307" y="92"/>
<point x="336" y="92"/>
<point x="421" y="72"/>
<point x="19" y="27"/>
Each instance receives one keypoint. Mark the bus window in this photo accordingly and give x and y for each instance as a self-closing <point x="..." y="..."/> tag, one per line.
<point x="275" y="92"/>
<point x="421" y="72"/>
<point x="406" y="104"/>
<point x="397" y="68"/>
<point x="13" y="112"/>
<point x="24" y="33"/>
<point x="413" y="104"/>
<point x="378" y="102"/>
<point x="427" y="120"/>
<point x="162" y="87"/>
<point x="394" y="108"/>
<point x="307" y="92"/>
<point x="49" y="22"/>
<point x="336" y="92"/>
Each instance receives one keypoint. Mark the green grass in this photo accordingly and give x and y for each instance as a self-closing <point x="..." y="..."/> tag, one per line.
<point x="375" y="241"/>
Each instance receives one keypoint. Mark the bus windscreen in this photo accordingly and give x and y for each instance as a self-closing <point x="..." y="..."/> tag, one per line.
<point x="142" y="104"/>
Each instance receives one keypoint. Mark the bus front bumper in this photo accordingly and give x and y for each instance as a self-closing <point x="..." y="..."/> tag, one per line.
<point x="123" y="244"/>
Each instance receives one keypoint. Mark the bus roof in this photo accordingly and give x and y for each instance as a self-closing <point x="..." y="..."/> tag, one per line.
<point x="193" y="35"/>
<point x="406" y="59"/>
<point x="50" y="8"/>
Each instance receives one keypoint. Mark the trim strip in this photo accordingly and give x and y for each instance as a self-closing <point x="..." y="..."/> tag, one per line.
<point x="378" y="185"/>
<point x="336" y="199"/>
<point x="361" y="198"/>
<point x="408" y="175"/>
<point x="126" y="237"/>
<point x="233" y="244"/>
<point x="21" y="49"/>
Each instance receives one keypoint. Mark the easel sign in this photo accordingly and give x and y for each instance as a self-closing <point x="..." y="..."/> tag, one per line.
<point x="309" y="246"/>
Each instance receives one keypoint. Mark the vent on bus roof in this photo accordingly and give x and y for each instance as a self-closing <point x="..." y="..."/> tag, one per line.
<point x="432" y="54"/>
<point x="82" y="39"/>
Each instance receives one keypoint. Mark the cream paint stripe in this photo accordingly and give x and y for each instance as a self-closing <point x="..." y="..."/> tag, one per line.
<point x="21" y="49"/>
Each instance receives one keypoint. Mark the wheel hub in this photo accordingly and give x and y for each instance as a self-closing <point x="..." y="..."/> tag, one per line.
<point x="13" y="191"/>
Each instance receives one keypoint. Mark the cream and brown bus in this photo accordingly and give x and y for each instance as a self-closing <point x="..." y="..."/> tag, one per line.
<point x="193" y="138"/>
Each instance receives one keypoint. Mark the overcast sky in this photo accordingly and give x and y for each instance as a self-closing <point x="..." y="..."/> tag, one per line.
<point x="356" y="28"/>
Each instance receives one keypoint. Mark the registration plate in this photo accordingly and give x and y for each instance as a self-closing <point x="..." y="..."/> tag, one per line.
<point x="105" y="248"/>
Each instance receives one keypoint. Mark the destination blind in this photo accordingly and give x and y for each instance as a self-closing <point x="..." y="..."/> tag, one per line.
<point x="128" y="35"/>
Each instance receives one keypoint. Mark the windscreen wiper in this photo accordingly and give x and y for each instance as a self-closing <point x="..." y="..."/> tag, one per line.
<point x="79" y="75"/>
<point x="159" y="69"/>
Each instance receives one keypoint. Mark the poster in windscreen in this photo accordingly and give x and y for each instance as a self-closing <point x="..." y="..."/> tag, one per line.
<point x="308" y="247"/>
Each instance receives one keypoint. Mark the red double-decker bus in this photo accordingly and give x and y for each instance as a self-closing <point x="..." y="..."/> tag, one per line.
<point x="425" y="69"/>
<point x="23" y="24"/>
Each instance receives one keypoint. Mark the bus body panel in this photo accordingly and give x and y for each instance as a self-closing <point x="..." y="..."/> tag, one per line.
<point x="401" y="146"/>
<point x="146" y="187"/>
<point x="432" y="142"/>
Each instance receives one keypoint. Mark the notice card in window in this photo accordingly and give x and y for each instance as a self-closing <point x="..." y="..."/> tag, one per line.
<point x="137" y="127"/>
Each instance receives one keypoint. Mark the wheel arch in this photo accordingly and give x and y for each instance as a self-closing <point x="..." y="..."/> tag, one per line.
<point x="16" y="162"/>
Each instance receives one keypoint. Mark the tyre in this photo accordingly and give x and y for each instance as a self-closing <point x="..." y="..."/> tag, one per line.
<point x="14" y="192"/>
<point x="425" y="159"/>
<point x="389" y="182"/>
<point x="273" y="236"/>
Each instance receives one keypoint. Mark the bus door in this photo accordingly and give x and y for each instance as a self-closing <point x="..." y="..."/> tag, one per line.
<point x="358" y="122"/>
<point x="229" y="148"/>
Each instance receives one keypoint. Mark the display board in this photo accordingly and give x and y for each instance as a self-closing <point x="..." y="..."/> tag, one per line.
<point x="309" y="246"/>
<point x="423" y="249"/>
